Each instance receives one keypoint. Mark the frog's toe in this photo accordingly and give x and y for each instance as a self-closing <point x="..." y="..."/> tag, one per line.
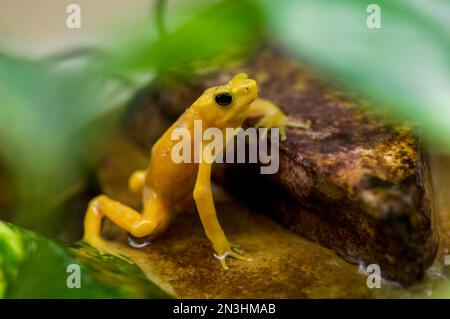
<point x="239" y="256"/>
<point x="235" y="246"/>
<point x="297" y="124"/>
<point x="233" y="254"/>
<point x="223" y="263"/>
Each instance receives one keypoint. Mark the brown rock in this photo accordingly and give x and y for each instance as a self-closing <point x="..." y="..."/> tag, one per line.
<point x="352" y="182"/>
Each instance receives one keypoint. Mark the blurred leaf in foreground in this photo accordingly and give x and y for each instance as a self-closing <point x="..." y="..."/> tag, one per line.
<point x="45" y="114"/>
<point x="51" y="110"/>
<point x="404" y="65"/>
<point x="214" y="34"/>
<point x="35" y="267"/>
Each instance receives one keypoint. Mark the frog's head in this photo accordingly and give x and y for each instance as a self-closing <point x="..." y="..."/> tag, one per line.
<point x="228" y="105"/>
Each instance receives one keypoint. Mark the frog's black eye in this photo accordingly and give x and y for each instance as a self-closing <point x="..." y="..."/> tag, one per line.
<point x="224" y="99"/>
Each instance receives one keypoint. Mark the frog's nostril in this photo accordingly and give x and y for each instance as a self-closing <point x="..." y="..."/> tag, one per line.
<point x="251" y="86"/>
<point x="246" y="89"/>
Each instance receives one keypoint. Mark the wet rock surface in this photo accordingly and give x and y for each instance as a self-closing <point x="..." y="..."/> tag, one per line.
<point x="181" y="259"/>
<point x="283" y="264"/>
<point x="354" y="182"/>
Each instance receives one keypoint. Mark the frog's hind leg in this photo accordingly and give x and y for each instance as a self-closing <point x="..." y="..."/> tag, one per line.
<point x="154" y="219"/>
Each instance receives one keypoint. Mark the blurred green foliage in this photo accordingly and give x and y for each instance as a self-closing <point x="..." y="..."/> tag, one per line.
<point x="212" y="36"/>
<point x="44" y="118"/>
<point x="52" y="111"/>
<point x="34" y="267"/>
<point x="404" y="66"/>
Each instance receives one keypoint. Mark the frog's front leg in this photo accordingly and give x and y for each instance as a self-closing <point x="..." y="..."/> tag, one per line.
<point x="272" y="117"/>
<point x="205" y="206"/>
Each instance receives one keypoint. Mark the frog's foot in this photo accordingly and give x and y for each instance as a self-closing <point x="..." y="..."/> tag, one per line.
<point x="281" y="122"/>
<point x="276" y="120"/>
<point x="235" y="252"/>
<point x="222" y="258"/>
<point x="236" y="248"/>
<point x="273" y="117"/>
<point x="296" y="124"/>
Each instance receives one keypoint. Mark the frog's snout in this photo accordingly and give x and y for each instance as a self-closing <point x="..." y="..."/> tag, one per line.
<point x="248" y="88"/>
<point x="251" y="86"/>
<point x="243" y="85"/>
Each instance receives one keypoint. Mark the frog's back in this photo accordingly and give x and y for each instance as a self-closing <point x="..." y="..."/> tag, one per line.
<point x="166" y="177"/>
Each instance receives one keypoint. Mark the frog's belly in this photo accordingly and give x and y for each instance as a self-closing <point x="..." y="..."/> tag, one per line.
<point x="172" y="182"/>
<point x="179" y="190"/>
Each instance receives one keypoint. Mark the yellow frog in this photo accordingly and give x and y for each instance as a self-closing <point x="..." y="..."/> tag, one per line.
<point x="166" y="186"/>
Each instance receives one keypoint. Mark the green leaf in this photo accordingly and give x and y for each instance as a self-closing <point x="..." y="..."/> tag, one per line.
<point x="34" y="267"/>
<point x="44" y="130"/>
<point x="214" y="34"/>
<point x="404" y="65"/>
